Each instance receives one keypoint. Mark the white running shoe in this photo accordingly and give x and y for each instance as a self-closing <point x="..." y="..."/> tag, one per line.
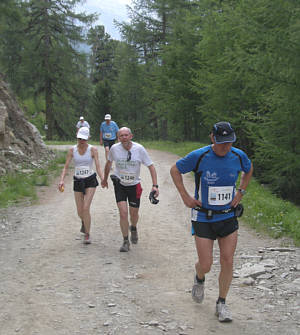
<point x="87" y="239"/>
<point x="223" y="312"/>
<point x="198" y="291"/>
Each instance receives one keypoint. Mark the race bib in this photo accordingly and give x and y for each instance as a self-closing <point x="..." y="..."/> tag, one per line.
<point x="83" y="171"/>
<point x="220" y="195"/>
<point x="107" y="135"/>
<point x="126" y="177"/>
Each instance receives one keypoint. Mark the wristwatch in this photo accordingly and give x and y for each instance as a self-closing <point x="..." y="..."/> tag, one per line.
<point x="155" y="186"/>
<point x="243" y="192"/>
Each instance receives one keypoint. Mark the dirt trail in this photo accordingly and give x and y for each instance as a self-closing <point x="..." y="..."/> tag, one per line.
<point x="51" y="283"/>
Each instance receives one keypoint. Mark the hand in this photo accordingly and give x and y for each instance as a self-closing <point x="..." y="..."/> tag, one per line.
<point x="236" y="200"/>
<point x="156" y="191"/>
<point x="191" y="202"/>
<point x="104" y="183"/>
<point x="61" y="186"/>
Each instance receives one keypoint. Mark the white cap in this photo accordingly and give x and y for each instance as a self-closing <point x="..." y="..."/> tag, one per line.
<point x="83" y="133"/>
<point x="107" y="117"/>
<point x="81" y="118"/>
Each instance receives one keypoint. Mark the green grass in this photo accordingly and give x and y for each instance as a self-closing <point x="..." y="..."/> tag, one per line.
<point x="264" y="211"/>
<point x="267" y="213"/>
<point x="19" y="187"/>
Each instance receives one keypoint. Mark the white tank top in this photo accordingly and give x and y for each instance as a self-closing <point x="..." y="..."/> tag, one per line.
<point x="83" y="163"/>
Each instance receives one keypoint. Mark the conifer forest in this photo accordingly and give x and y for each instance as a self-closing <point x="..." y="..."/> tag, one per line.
<point x="180" y="66"/>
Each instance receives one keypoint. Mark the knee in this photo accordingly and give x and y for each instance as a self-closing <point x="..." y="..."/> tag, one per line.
<point x="226" y="261"/>
<point x="85" y="210"/>
<point x="205" y="266"/>
<point x="123" y="215"/>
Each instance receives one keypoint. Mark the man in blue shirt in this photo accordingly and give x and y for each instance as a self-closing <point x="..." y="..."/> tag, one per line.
<point x="108" y="133"/>
<point x="214" y="206"/>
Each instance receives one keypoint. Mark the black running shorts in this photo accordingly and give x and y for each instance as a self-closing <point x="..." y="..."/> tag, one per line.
<point x="108" y="143"/>
<point x="80" y="184"/>
<point x="213" y="230"/>
<point x="130" y="193"/>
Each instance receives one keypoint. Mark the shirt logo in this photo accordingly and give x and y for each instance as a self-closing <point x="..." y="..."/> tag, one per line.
<point x="211" y="177"/>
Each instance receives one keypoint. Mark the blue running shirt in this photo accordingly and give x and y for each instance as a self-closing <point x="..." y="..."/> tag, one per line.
<point x="217" y="178"/>
<point x="109" y="131"/>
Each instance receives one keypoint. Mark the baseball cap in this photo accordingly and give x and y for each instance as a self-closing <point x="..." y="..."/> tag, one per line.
<point x="107" y="117"/>
<point x="83" y="133"/>
<point x="81" y="118"/>
<point x="223" y="132"/>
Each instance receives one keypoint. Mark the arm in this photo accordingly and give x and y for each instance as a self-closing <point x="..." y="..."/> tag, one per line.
<point x="97" y="163"/>
<point x="101" y="137"/>
<point x="154" y="179"/>
<point x="64" y="171"/>
<point x="107" y="167"/>
<point x="245" y="179"/>
<point x="178" y="181"/>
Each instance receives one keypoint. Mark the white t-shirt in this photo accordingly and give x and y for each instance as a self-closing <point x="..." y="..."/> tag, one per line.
<point x="82" y="124"/>
<point x="129" y="171"/>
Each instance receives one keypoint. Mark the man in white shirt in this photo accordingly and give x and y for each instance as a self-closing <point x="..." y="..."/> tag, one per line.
<point x="128" y="157"/>
<point x="82" y="123"/>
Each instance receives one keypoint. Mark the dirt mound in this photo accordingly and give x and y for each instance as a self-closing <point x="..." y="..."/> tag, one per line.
<point x="21" y="145"/>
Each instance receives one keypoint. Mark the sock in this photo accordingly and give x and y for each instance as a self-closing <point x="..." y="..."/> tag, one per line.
<point x="221" y="300"/>
<point x="200" y="281"/>
<point x="125" y="238"/>
<point x="132" y="228"/>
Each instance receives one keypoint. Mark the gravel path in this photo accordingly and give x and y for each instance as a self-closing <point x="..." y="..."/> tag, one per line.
<point x="51" y="283"/>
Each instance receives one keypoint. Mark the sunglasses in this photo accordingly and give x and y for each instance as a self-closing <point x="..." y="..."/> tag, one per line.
<point x="128" y="156"/>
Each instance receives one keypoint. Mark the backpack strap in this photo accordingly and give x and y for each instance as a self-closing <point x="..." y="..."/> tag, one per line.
<point x="199" y="173"/>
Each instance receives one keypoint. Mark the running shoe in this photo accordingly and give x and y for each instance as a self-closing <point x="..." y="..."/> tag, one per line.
<point x="87" y="239"/>
<point x="125" y="246"/>
<point x="223" y="312"/>
<point x="198" y="291"/>
<point x="82" y="229"/>
<point x="133" y="236"/>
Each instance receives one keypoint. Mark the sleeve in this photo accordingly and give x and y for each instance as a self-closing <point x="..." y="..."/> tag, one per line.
<point x="117" y="128"/>
<point x="101" y="127"/>
<point x="145" y="158"/>
<point x="246" y="163"/>
<point x="188" y="163"/>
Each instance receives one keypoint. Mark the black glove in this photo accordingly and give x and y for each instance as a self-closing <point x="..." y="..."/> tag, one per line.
<point x="239" y="209"/>
<point x="152" y="199"/>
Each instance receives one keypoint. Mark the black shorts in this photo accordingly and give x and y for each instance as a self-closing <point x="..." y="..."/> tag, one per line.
<point x="80" y="184"/>
<point x="108" y="143"/>
<point x="130" y="193"/>
<point x="212" y="230"/>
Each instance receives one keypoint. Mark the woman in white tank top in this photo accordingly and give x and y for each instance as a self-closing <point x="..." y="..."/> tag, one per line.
<point x="84" y="156"/>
